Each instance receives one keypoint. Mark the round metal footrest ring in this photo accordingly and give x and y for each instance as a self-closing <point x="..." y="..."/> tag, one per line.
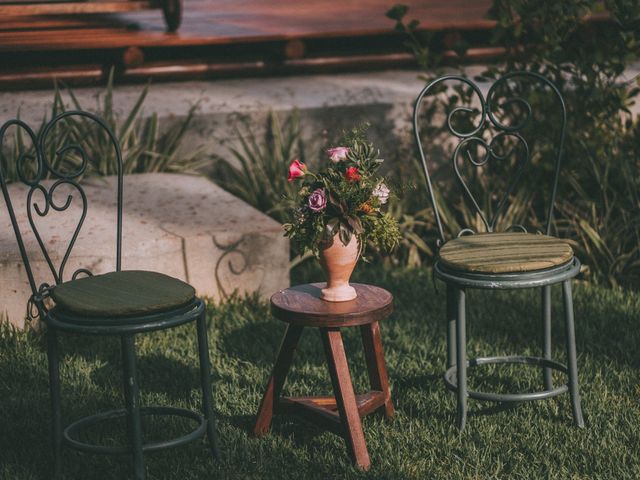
<point x="450" y="379"/>
<point x="91" y="420"/>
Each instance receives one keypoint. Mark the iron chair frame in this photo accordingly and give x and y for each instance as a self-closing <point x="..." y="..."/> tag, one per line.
<point x="458" y="282"/>
<point x="124" y="327"/>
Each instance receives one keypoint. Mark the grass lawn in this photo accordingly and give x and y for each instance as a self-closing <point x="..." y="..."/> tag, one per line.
<point x="533" y="440"/>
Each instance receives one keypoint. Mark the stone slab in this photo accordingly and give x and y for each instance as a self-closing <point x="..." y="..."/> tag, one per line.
<point x="181" y="225"/>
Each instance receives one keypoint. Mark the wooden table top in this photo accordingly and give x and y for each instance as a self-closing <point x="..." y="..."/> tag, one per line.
<point x="302" y="305"/>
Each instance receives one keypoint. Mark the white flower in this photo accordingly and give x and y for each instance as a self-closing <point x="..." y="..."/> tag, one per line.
<point x="382" y="193"/>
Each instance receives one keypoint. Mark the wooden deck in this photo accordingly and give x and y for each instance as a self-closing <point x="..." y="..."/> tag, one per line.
<point x="225" y="37"/>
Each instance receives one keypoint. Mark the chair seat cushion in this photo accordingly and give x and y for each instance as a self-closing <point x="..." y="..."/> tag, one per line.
<point x="122" y="294"/>
<point x="510" y="252"/>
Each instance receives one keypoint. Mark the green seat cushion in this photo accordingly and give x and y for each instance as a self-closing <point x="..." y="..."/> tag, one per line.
<point x="510" y="252"/>
<point x="122" y="294"/>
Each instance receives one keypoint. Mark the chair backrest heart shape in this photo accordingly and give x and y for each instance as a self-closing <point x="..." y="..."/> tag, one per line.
<point x="53" y="180"/>
<point x="490" y="142"/>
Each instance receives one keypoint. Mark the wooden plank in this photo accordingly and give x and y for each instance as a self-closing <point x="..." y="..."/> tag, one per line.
<point x="321" y="401"/>
<point x="224" y="21"/>
<point x="369" y="402"/>
<point x="366" y="402"/>
<point x="307" y="409"/>
<point x="73" y="8"/>
<point x="353" y="35"/>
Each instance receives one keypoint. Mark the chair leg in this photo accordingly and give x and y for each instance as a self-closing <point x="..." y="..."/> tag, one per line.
<point x="205" y="380"/>
<point x="451" y="326"/>
<point x="461" y="357"/>
<point x="132" y="402"/>
<point x="54" y="391"/>
<point x="546" y="335"/>
<point x="571" y="354"/>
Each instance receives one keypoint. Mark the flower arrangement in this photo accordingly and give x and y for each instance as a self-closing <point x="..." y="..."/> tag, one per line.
<point x="343" y="199"/>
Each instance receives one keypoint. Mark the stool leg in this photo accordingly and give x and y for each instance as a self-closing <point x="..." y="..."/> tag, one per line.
<point x="54" y="391"/>
<point x="461" y="360"/>
<point x="376" y="366"/>
<point x="276" y="381"/>
<point x="451" y="326"/>
<point x="132" y="401"/>
<point x="546" y="335"/>
<point x="205" y="380"/>
<point x="571" y="354"/>
<point x="345" y="396"/>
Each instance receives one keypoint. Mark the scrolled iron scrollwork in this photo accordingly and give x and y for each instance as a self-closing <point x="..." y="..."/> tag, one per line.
<point x="48" y="181"/>
<point x="50" y="203"/>
<point x="516" y="227"/>
<point x="228" y="250"/>
<point x="465" y="231"/>
<point x="81" y="271"/>
<point x="470" y="142"/>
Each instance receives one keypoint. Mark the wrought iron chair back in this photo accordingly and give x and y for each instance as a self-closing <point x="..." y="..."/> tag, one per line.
<point x="477" y="151"/>
<point x="46" y="177"/>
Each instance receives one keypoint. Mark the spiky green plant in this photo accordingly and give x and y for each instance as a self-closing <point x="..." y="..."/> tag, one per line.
<point x="146" y="146"/>
<point x="257" y="169"/>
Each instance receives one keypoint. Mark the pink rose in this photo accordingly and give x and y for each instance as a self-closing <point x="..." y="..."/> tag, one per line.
<point x="317" y="200"/>
<point x="337" y="154"/>
<point x="296" y="170"/>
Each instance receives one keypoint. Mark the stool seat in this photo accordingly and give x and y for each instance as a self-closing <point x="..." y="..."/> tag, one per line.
<point x="302" y="305"/>
<point x="122" y="294"/>
<point x="510" y="252"/>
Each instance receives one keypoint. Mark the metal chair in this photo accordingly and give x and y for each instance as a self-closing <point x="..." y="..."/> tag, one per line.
<point x="121" y="303"/>
<point x="512" y="259"/>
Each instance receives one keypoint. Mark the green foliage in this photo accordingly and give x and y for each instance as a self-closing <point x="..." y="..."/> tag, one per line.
<point x="257" y="173"/>
<point x="343" y="199"/>
<point x="598" y="207"/>
<point x="145" y="145"/>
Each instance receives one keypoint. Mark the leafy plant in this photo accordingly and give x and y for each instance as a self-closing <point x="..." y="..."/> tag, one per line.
<point x="145" y="146"/>
<point x="344" y="199"/>
<point x="256" y="171"/>
<point x="598" y="208"/>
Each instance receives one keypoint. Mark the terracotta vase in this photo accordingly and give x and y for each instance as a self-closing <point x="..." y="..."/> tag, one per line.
<point x="338" y="262"/>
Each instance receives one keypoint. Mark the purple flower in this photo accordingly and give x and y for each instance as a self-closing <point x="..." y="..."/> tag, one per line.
<point x="337" y="154"/>
<point x="317" y="201"/>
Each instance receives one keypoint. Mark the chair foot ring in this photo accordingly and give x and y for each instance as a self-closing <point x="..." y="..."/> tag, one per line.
<point x="450" y="379"/>
<point x="73" y="429"/>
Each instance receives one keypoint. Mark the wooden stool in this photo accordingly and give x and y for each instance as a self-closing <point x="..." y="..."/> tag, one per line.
<point x="301" y="307"/>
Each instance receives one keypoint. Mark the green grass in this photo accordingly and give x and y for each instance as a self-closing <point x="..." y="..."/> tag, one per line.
<point x="534" y="440"/>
